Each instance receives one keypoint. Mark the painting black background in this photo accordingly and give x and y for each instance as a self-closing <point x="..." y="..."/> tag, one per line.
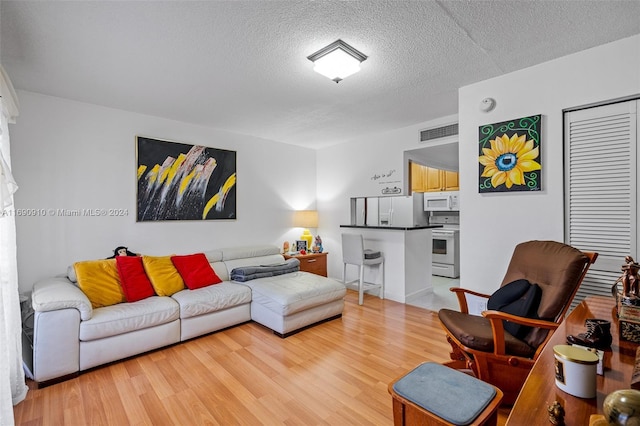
<point x="152" y="151"/>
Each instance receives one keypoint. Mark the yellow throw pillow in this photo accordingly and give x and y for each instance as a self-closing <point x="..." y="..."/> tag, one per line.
<point x="99" y="280"/>
<point x="164" y="276"/>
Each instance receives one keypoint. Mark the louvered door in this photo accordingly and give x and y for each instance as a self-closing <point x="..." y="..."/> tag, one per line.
<point x="601" y="189"/>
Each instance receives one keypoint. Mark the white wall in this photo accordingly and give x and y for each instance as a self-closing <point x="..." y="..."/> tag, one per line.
<point x="71" y="155"/>
<point x="74" y="155"/>
<point x="346" y="171"/>
<point x="492" y="224"/>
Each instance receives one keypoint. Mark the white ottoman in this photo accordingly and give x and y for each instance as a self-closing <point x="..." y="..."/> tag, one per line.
<point x="290" y="302"/>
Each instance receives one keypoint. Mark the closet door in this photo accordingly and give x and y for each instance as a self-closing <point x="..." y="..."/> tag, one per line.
<point x="601" y="181"/>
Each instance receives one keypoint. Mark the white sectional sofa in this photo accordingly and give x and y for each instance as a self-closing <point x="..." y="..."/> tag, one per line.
<point x="69" y="336"/>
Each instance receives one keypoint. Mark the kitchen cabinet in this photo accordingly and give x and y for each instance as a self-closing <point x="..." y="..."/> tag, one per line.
<point x="417" y="177"/>
<point x="429" y="179"/>
<point x="433" y="178"/>
<point x="450" y="180"/>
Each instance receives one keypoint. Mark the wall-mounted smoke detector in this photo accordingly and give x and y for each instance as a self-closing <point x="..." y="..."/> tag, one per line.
<point x="487" y="104"/>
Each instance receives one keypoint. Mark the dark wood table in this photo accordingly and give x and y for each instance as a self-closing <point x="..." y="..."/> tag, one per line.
<point x="540" y="390"/>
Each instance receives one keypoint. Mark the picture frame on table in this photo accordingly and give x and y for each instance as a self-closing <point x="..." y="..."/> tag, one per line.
<point x="301" y="245"/>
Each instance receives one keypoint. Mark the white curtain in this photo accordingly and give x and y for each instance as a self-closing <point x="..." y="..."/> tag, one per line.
<point x="13" y="388"/>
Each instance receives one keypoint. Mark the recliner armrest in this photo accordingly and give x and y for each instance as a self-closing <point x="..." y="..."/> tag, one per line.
<point x="52" y="294"/>
<point x="497" y="326"/>
<point x="531" y="322"/>
<point x="462" y="298"/>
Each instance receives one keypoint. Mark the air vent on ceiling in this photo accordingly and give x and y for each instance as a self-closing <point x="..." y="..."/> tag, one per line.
<point x="439" y="132"/>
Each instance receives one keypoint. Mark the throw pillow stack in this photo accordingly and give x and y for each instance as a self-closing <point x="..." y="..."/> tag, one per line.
<point x="133" y="278"/>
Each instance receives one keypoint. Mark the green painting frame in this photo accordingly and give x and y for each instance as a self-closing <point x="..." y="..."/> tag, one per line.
<point x="509" y="156"/>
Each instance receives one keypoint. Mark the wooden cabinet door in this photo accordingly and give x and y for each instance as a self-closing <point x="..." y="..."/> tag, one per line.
<point x="417" y="177"/>
<point x="433" y="180"/>
<point x="314" y="263"/>
<point x="450" y="181"/>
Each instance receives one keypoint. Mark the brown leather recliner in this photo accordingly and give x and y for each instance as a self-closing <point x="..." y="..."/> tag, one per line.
<point x="481" y="344"/>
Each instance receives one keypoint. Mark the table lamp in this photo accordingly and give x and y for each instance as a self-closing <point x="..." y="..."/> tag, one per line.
<point x="306" y="219"/>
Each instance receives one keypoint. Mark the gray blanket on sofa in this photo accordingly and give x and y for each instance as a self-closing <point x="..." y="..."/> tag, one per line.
<point x="246" y="273"/>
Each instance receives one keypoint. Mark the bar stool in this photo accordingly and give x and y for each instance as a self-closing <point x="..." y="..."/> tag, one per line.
<point x="353" y="253"/>
<point x="433" y="394"/>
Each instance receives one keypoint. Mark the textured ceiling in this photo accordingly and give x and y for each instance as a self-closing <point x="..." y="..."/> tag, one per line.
<point x="241" y="65"/>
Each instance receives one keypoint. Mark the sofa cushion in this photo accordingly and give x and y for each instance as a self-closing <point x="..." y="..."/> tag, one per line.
<point x="126" y="317"/>
<point x="220" y="268"/>
<point x="163" y="275"/>
<point x="71" y="274"/>
<point x="233" y="253"/>
<point x="213" y="256"/>
<point x="210" y="299"/>
<point x="195" y="270"/>
<point x="294" y="292"/>
<point x="271" y="259"/>
<point x="99" y="280"/>
<point x="135" y="283"/>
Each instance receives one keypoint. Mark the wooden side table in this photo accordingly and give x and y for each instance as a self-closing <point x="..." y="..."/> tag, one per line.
<point x="316" y="263"/>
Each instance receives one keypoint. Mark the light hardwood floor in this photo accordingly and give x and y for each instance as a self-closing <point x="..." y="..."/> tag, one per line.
<point x="335" y="373"/>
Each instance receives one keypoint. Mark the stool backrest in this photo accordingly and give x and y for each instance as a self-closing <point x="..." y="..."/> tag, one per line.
<point x="352" y="249"/>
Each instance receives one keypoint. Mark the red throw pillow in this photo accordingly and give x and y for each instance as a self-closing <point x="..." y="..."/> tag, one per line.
<point x="133" y="279"/>
<point x="195" y="270"/>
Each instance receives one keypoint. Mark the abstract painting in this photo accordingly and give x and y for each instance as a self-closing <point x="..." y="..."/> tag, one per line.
<point x="178" y="181"/>
<point x="509" y="156"/>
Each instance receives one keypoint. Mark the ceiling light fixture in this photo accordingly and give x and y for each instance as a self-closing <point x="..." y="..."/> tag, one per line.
<point x="337" y="61"/>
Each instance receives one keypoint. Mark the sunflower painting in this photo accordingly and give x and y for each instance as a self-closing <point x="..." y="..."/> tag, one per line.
<point x="509" y="156"/>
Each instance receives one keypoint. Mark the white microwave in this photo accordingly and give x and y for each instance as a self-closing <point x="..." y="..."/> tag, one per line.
<point x="441" y="201"/>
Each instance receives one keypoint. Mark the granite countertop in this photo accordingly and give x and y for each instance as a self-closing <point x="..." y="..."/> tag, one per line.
<point x="393" y="228"/>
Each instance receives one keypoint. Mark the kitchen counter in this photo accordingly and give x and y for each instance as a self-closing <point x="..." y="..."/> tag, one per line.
<point x="407" y="255"/>
<point x="392" y="228"/>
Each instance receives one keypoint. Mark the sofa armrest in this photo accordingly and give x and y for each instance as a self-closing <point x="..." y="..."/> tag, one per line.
<point x="52" y="294"/>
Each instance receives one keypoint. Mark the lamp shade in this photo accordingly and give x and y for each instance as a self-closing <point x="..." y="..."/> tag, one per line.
<point x="305" y="219"/>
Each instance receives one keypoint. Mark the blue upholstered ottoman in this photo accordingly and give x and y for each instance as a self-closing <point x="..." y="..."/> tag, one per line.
<point x="435" y="394"/>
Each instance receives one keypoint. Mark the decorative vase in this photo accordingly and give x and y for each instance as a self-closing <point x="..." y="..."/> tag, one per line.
<point x="622" y="407"/>
<point x="306" y="236"/>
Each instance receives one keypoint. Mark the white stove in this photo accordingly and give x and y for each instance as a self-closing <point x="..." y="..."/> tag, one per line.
<point x="446" y="246"/>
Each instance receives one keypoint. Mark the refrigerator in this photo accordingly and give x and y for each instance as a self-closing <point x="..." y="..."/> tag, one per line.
<point x="401" y="211"/>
